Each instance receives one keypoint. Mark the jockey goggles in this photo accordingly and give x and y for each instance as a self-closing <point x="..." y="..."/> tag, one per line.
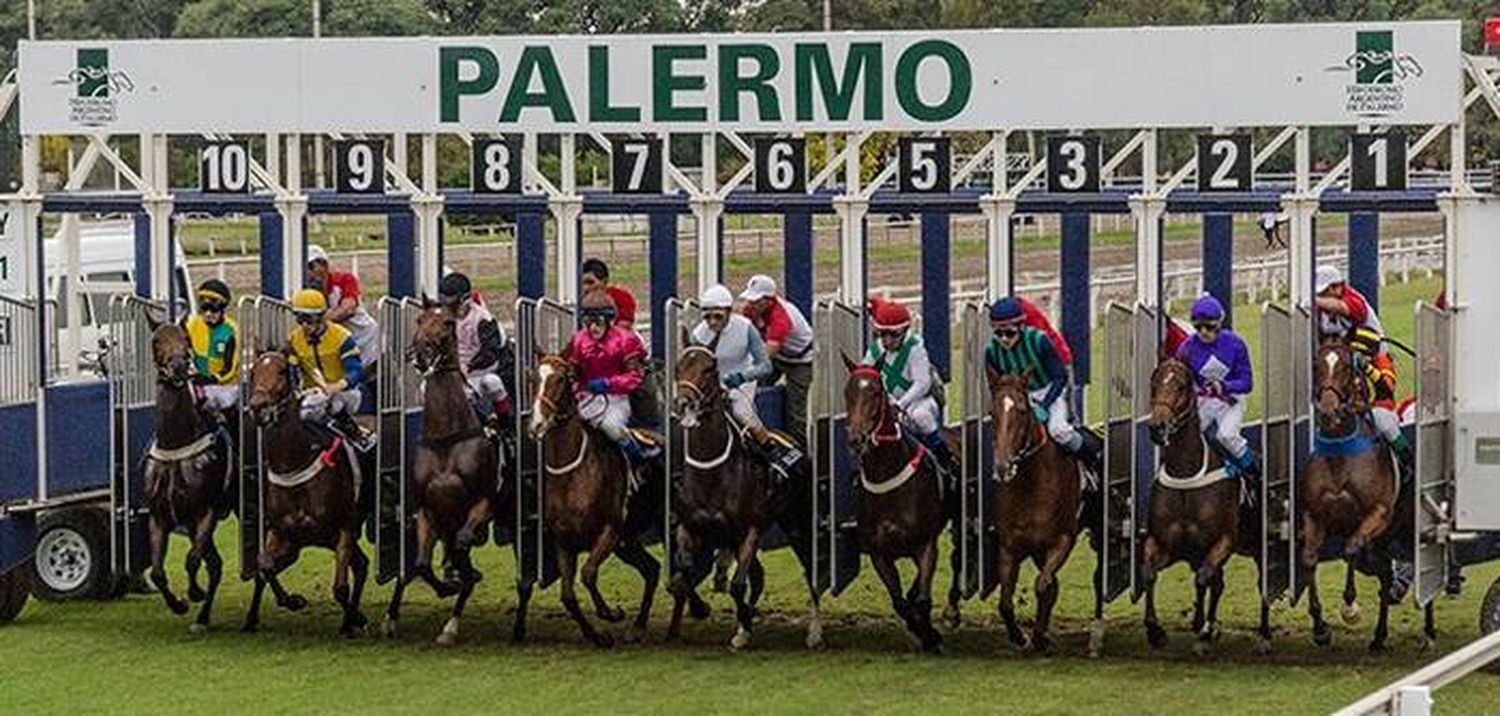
<point x="596" y="319"/>
<point x="1009" y="330"/>
<point x="212" y="306"/>
<point x="1202" y="326"/>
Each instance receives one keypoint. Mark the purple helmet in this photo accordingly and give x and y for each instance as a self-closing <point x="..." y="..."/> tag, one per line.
<point x="1207" y="308"/>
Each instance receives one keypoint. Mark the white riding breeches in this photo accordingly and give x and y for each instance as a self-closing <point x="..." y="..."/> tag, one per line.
<point x="1387" y="423"/>
<point x="220" y="397"/>
<point x="610" y="414"/>
<point x="488" y="386"/>
<point x="317" y="406"/>
<point x="742" y="406"/>
<point x="921" y="417"/>
<point x="1228" y="418"/>
<point x="1058" y="425"/>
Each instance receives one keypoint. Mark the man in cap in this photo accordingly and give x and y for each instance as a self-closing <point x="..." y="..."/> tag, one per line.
<point x="344" y="307"/>
<point x="327" y="358"/>
<point x="788" y="339"/>
<point x="213" y="335"/>
<point x="610" y="363"/>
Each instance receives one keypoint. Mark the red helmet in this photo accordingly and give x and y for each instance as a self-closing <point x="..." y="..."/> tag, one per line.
<point x="891" y="316"/>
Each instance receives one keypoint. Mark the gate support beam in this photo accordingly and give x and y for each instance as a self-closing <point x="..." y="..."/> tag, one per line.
<point x="566" y="210"/>
<point x="999" y="251"/>
<point x="937" y="319"/>
<point x="1218" y="261"/>
<point x="401" y="256"/>
<point x="1301" y="208"/>
<point x="531" y="254"/>
<point x="1364" y="255"/>
<point x="851" y="211"/>
<point x="663" y="273"/>
<point x="797" y="250"/>
<point x="427" y="253"/>
<point x="1075" y="291"/>
<point x="708" y="210"/>
<point x="1147" y="210"/>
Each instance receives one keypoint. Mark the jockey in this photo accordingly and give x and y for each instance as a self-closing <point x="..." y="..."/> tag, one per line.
<point x="1344" y="313"/>
<point x="344" y="307"/>
<point x="328" y="359"/>
<point x="216" y="354"/>
<point x="901" y="357"/>
<point x="789" y="343"/>
<point x="481" y="342"/>
<point x="610" y="363"/>
<point x="741" y="357"/>
<point x="1018" y="349"/>
<point x="1221" y="371"/>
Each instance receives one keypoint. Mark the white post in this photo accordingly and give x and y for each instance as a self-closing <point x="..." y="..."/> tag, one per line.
<point x="1147" y="208"/>
<point x="708" y="210"/>
<point x="427" y="205"/>
<point x="851" y="208"/>
<point x="1301" y="206"/>
<point x="566" y="209"/>
<point x="293" y="209"/>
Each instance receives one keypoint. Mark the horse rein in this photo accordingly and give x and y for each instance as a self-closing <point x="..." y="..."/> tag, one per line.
<point x="875" y="438"/>
<point x="1028" y="451"/>
<point x="1178" y="417"/>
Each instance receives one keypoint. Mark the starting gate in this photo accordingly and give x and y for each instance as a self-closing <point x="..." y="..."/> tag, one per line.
<point x="681" y="316"/>
<point x="975" y="538"/>
<point x="839" y="330"/>
<point x="1125" y="393"/>
<point x="132" y="389"/>
<point x="546" y="325"/>
<point x="1284" y="382"/>
<point x="399" y="427"/>
<point x="265" y="322"/>
<point x="1434" y="444"/>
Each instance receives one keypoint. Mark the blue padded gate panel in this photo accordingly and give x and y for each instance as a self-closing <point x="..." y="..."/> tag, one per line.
<point x="78" y="429"/>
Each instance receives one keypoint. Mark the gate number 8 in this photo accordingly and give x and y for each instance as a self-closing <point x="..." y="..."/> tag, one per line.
<point x="497" y="166"/>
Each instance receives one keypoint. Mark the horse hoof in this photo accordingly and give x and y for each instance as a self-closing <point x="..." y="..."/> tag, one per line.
<point x="197" y="629"/>
<point x="699" y="610"/>
<point x="815" y="640"/>
<point x="518" y="635"/>
<point x="613" y="615"/>
<point x="446" y="638"/>
<point x="293" y="603"/>
<point x="604" y="641"/>
<point x="250" y="628"/>
<point x="388" y="628"/>
<point x="1156" y="636"/>
<point x="1322" y="637"/>
<point x="634" y="635"/>
<point x="196" y="594"/>
<point x="1377" y="646"/>
<point x="1019" y="642"/>
<point x="1425" y="643"/>
<point x="740" y="640"/>
<point x="1350" y="613"/>
<point x="178" y="608"/>
<point x="352" y="632"/>
<point x="933" y="644"/>
<point x="1200" y="647"/>
<point x="952" y="617"/>
<point x="672" y="635"/>
<point x="1262" y="646"/>
<point x="447" y="589"/>
<point x="1041" y="644"/>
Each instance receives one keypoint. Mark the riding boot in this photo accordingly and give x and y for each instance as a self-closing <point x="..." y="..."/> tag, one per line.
<point x="351" y="430"/>
<point x="1247" y="468"/>
<point x="779" y="454"/>
<point x="1090" y="451"/>
<point x="1406" y="459"/>
<point x="947" y="463"/>
<point x="637" y="453"/>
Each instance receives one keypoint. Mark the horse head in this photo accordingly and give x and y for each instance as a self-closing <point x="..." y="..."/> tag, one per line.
<point x="554" y="393"/>
<point x="697" y="381"/>
<point x="1018" y="435"/>
<point x="1173" y="403"/>
<point x="173" y="353"/>
<point x="270" y="386"/>
<point x="867" y="407"/>
<point x="434" y="344"/>
<point x="1340" y="396"/>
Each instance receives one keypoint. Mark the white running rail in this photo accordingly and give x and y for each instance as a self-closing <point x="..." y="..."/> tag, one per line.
<point x="1411" y="695"/>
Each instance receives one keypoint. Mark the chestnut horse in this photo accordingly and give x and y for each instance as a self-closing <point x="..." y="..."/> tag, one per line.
<point x="313" y="497"/>
<point x="584" y="504"/>
<point x="1194" y="510"/>
<point x="1037" y="504"/>
<point x="1349" y="491"/>
<point x="455" y="476"/>
<point x="900" y="507"/>
<point x="189" y="473"/>
<point x="727" y="501"/>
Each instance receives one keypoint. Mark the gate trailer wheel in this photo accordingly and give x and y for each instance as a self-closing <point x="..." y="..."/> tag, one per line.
<point x="14" y="590"/>
<point x="1489" y="610"/>
<point x="72" y="556"/>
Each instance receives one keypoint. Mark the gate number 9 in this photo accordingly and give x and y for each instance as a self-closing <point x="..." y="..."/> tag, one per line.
<point x="361" y="166"/>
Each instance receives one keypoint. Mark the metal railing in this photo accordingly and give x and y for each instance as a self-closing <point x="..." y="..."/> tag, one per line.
<point x="1411" y="695"/>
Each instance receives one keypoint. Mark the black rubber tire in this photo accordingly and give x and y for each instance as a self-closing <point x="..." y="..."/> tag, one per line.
<point x="15" y="588"/>
<point x="64" y="539"/>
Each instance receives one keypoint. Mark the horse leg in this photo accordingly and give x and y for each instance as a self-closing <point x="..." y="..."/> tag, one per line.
<point x="1008" y="568"/>
<point x="1210" y="631"/>
<point x="426" y="543"/>
<point x="1321" y="634"/>
<point x="891" y="578"/>
<point x="757" y="584"/>
<point x="1097" y="628"/>
<point x="343" y="593"/>
<point x="1211" y="577"/>
<point x="523" y="600"/>
<point x="744" y="611"/>
<point x="480" y="513"/>
<point x="191" y="564"/>
<point x="1047" y="590"/>
<point x="1429" y="629"/>
<point x="252" y="617"/>
<point x="952" y="615"/>
<point x="1350" y="611"/>
<point x="921" y="607"/>
<point x="604" y="546"/>
<point x="361" y="566"/>
<point x="1370" y="527"/>
<point x="276" y="556"/>
<point x="1152" y="561"/>
<point x="814" y="639"/>
<point x="680" y="584"/>
<point x="464" y="562"/>
<point x="204" y="546"/>
<point x="567" y="563"/>
<point x="1382" y="624"/>
<point x="160" y="535"/>
<point x="632" y="553"/>
<point x="722" y="560"/>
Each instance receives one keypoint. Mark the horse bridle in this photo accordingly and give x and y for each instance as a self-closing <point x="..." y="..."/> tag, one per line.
<point x="701" y="397"/>
<point x="271" y="413"/>
<point x="558" y="412"/>
<point x="884" y="408"/>
<point x="1178" y="417"/>
<point x="1346" y="405"/>
<point x="1027" y="451"/>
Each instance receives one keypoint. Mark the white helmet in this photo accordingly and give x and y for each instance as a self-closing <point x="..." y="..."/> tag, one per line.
<point x="316" y="253"/>
<point x="1327" y="275"/>
<point x="716" y="296"/>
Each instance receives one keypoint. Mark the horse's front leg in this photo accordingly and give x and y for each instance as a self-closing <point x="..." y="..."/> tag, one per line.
<point x="885" y="568"/>
<point x="344" y="594"/>
<point x="1210" y="577"/>
<point x="1008" y="569"/>
<point x="567" y="563"/>
<point x="1350" y="611"/>
<point x="480" y="514"/>
<point x="160" y="534"/>
<point x="463" y="561"/>
<point x="1373" y="525"/>
<point x="604" y="546"/>
<point x="952" y="614"/>
<point x="744" y="611"/>
<point x="1047" y="590"/>
<point x="921" y="607"/>
<point x="1152" y="561"/>
<point x="203" y="541"/>
<point x="632" y="553"/>
<point x="426" y="537"/>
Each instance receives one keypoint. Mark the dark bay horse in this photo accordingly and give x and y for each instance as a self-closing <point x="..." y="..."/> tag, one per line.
<point x="1349" y="491"/>
<point x="1194" y="512"/>
<point x="190" y="474"/>
<point x="1037" y="501"/>
<point x="727" y="501"/>
<point x="456" y="472"/>
<point x="584" y="504"/>
<point x="313" y="497"/>
<point x="900" y="506"/>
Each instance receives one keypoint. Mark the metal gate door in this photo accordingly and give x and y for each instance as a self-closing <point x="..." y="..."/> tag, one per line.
<point x="1435" y="464"/>
<point x="546" y="325"/>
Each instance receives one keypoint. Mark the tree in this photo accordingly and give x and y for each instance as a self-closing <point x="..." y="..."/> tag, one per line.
<point x="377" y="18"/>
<point x="245" y="18"/>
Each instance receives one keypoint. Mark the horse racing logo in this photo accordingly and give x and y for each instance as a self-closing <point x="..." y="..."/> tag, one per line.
<point x="98" y="88"/>
<point x="1379" y="72"/>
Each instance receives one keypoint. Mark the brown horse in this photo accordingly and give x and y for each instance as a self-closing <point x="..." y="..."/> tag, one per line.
<point x="455" y="476"/>
<point x="1194" y="516"/>
<point x="189" y="475"/>
<point x="584" y="500"/>
<point x="313" y="497"/>
<point x="1349" y="492"/>
<point x="1037" y="505"/>
<point x="899" y="509"/>
<point x="727" y="500"/>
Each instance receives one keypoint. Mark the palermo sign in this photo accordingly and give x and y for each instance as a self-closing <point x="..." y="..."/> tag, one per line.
<point x="1399" y="73"/>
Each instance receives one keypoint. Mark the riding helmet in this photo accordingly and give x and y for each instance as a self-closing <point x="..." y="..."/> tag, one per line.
<point x="892" y="316"/>
<point x="454" y="287"/>
<point x="309" y="302"/>
<point x="716" y="297"/>
<point x="1006" y="310"/>
<point x="1207" y="308"/>
<point x="597" y="304"/>
<point x="214" y="291"/>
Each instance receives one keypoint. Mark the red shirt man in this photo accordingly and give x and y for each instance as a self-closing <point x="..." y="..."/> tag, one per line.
<point x="596" y="277"/>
